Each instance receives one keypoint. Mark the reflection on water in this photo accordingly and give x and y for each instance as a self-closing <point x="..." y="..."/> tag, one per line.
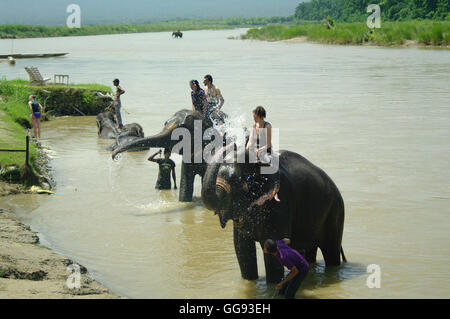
<point x="375" y="119"/>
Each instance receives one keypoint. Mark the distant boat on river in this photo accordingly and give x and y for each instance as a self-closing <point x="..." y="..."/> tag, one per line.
<point x="30" y="56"/>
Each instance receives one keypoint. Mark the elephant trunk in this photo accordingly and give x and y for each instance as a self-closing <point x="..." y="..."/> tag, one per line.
<point x="162" y="139"/>
<point x="216" y="194"/>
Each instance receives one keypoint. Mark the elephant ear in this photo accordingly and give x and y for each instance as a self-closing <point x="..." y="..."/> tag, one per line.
<point x="224" y="216"/>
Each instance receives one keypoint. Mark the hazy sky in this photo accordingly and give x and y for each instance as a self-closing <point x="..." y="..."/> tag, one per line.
<point x="53" y="12"/>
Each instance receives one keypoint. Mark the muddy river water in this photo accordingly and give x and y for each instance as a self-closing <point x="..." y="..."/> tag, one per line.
<point x="375" y="119"/>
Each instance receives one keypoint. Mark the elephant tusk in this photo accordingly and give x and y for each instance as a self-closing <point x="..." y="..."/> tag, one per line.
<point x="220" y="182"/>
<point x="170" y="126"/>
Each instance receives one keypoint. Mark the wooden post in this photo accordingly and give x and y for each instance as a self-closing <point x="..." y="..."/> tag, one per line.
<point x="27" y="150"/>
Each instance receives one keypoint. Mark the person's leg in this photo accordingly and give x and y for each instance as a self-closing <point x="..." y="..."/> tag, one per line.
<point x="293" y="285"/>
<point x="33" y="120"/>
<point x="38" y="128"/>
<point x="117" y="106"/>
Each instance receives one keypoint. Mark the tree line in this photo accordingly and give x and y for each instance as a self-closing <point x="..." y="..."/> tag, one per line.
<point x="355" y="10"/>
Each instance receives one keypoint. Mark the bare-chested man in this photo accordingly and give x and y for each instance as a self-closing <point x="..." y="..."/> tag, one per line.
<point x="214" y="99"/>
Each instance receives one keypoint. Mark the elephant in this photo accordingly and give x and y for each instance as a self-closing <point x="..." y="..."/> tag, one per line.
<point x="177" y="34"/>
<point x="128" y="134"/>
<point x="189" y="169"/>
<point x="310" y="212"/>
<point x="106" y="125"/>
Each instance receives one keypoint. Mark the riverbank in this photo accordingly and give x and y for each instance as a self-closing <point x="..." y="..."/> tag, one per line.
<point x="29" y="270"/>
<point x="57" y="100"/>
<point x="422" y="33"/>
<point x="13" y="31"/>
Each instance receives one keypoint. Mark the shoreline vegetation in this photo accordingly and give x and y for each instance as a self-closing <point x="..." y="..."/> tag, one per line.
<point x="19" y="31"/>
<point x="392" y="33"/>
<point x="424" y="33"/>
<point x="57" y="100"/>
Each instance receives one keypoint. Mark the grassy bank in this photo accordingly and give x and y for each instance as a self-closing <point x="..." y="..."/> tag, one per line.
<point x="15" y="117"/>
<point x="436" y="33"/>
<point x="28" y="31"/>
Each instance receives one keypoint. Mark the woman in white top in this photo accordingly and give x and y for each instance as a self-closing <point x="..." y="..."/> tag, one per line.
<point x="261" y="142"/>
<point x="260" y="134"/>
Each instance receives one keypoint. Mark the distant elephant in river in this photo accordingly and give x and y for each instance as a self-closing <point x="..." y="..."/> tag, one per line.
<point x="181" y="119"/>
<point x="177" y="34"/>
<point x="310" y="212"/>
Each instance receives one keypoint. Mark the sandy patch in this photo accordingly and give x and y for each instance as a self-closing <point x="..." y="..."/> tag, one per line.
<point x="28" y="270"/>
<point x="300" y="39"/>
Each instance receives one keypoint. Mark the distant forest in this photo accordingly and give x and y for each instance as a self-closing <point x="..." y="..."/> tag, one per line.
<point x="355" y="10"/>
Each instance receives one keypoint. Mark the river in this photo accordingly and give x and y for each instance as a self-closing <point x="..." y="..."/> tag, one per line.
<point x="375" y="119"/>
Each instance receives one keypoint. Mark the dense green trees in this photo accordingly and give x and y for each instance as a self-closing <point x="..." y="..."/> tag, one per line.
<point x="355" y="10"/>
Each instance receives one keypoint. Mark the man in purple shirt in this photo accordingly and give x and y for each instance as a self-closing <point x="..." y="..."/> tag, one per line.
<point x="292" y="259"/>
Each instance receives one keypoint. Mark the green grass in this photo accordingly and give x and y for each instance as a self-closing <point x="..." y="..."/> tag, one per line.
<point x="427" y="32"/>
<point x="13" y="136"/>
<point x="92" y="86"/>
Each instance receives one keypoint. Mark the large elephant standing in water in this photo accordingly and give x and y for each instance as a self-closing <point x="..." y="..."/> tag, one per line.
<point x="311" y="212"/>
<point x="181" y="119"/>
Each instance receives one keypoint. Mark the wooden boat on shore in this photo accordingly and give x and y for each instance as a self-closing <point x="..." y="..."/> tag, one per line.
<point x="31" y="56"/>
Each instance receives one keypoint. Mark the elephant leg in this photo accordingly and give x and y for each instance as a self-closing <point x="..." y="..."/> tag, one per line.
<point x="186" y="183"/>
<point x="331" y="254"/>
<point x="274" y="269"/>
<point x="311" y="255"/>
<point x="334" y="226"/>
<point x="246" y="254"/>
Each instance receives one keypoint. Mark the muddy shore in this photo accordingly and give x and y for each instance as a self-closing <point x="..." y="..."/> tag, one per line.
<point x="29" y="270"/>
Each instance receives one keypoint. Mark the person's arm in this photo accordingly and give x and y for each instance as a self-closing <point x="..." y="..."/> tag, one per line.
<point x="42" y="108"/>
<point x="219" y="94"/>
<point x="174" y="178"/>
<point x="31" y="109"/>
<point x="120" y="91"/>
<point x="292" y="274"/>
<point x="152" y="158"/>
<point x="264" y="198"/>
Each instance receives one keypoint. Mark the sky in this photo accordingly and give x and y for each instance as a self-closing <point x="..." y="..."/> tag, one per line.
<point x="53" y="12"/>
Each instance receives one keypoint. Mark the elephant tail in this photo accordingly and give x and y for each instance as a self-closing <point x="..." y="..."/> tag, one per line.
<point x="343" y="256"/>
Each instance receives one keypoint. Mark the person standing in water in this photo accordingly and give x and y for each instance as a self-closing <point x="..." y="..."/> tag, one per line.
<point x="214" y="99"/>
<point x="291" y="259"/>
<point x="166" y="165"/>
<point x="117" y="102"/>
<point x="36" y="110"/>
<point x="198" y="97"/>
